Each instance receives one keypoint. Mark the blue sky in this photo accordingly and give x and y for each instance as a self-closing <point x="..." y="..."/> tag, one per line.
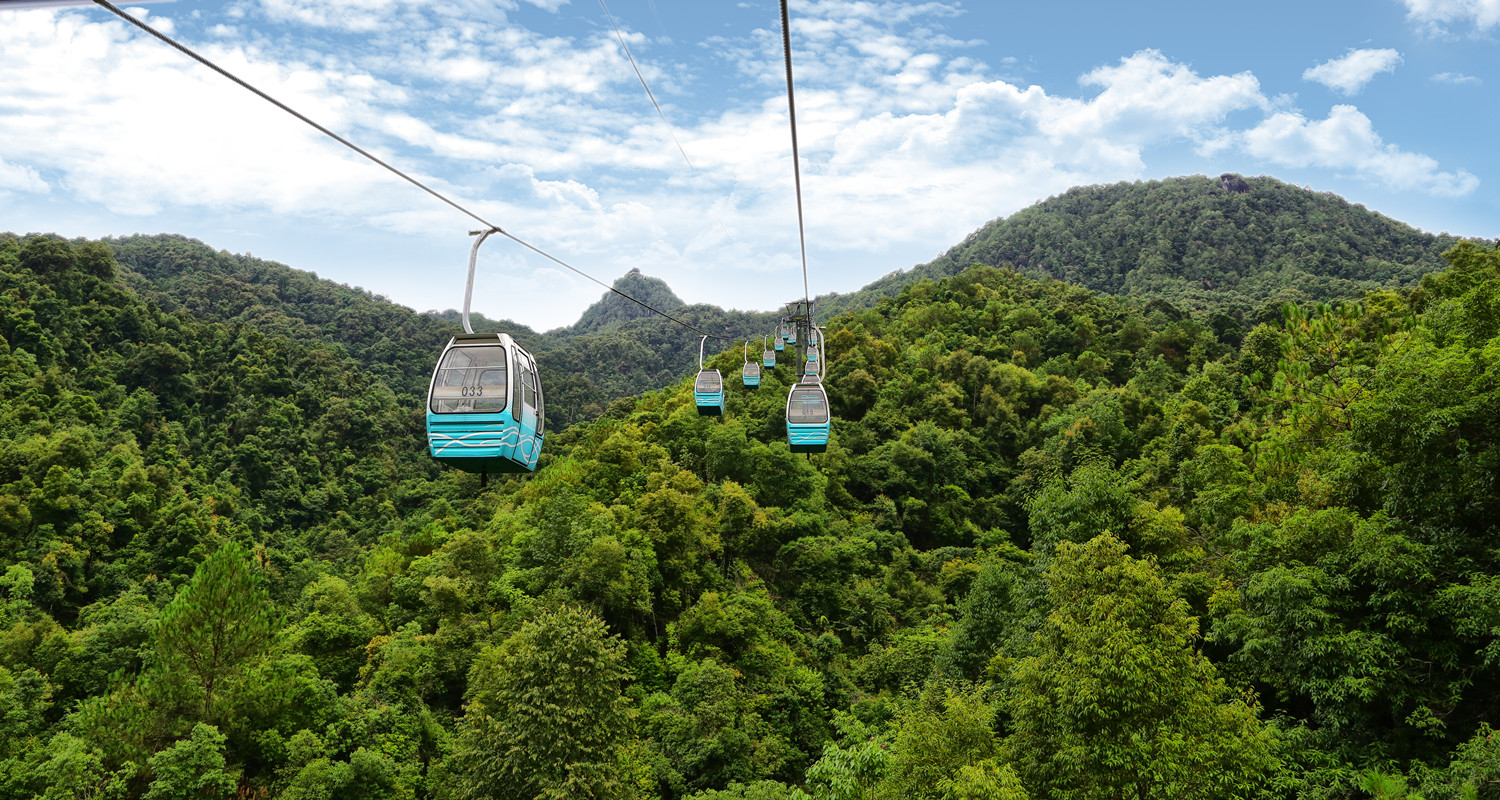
<point x="920" y="121"/>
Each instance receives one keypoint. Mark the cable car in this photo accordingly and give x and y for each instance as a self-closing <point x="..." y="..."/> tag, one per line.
<point x="485" y="411"/>
<point x="768" y="357"/>
<point x="708" y="389"/>
<point x="807" y="418"/>
<point x="813" y="369"/>
<point x="780" y="338"/>
<point x="484" y="406"/>
<point x="750" y="373"/>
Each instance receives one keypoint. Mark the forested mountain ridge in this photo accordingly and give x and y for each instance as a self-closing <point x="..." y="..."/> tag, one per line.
<point x="1190" y="242"/>
<point x="613" y="352"/>
<point x="175" y="272"/>
<point x="1230" y="243"/>
<point x="1201" y="564"/>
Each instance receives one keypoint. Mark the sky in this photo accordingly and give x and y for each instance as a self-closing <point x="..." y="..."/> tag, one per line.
<point x="918" y="122"/>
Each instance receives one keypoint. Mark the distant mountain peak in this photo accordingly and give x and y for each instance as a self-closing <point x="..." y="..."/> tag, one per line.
<point x="612" y="310"/>
<point x="1232" y="182"/>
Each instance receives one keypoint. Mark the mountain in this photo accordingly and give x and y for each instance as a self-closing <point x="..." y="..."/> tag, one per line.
<point x="1240" y="247"/>
<point x="1050" y="520"/>
<point x="1234" y="243"/>
<point x="617" y="350"/>
<point x="177" y="273"/>
<point x="612" y="310"/>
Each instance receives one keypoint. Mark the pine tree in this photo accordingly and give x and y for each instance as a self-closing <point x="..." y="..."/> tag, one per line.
<point x="219" y="623"/>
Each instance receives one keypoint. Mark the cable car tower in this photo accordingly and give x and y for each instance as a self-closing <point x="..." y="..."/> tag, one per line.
<point x="799" y="318"/>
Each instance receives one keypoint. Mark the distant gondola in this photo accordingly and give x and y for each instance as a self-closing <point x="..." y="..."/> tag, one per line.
<point x="708" y="389"/>
<point x="768" y="357"/>
<point x="812" y="368"/>
<point x="750" y="373"/>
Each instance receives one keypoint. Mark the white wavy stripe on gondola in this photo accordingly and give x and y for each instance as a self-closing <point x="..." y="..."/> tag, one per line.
<point x="507" y="436"/>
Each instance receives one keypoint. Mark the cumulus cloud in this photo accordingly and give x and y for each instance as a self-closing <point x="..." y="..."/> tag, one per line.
<point x="1436" y="16"/>
<point x="369" y="16"/>
<point x="136" y="127"/>
<point x="1354" y="70"/>
<point x="1347" y="141"/>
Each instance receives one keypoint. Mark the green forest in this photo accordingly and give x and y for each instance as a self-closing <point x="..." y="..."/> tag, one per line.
<point x="1064" y="543"/>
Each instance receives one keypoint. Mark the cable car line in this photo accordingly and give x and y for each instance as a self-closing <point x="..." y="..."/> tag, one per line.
<point x="642" y="78"/>
<point x="791" y="105"/>
<point x="481" y="377"/>
<point x="490" y="226"/>
<point x="671" y="131"/>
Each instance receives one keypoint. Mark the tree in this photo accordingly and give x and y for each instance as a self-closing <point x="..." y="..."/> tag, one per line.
<point x="219" y="623"/>
<point x="545" y="717"/>
<point x="1116" y="702"/>
<point x="192" y="769"/>
<point x="936" y="738"/>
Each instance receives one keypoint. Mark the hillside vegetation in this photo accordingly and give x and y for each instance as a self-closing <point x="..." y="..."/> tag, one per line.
<point x="612" y="310"/>
<point x="1060" y="547"/>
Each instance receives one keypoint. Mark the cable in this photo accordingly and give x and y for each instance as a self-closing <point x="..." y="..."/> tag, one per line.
<point x="672" y="132"/>
<point x="791" y="105"/>
<point x="642" y="79"/>
<point x="409" y="179"/>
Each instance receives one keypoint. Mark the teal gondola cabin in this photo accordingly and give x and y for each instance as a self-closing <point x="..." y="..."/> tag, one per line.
<point x="484" y="406"/>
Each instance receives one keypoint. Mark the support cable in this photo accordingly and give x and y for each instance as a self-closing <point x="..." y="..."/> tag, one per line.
<point x="791" y="105"/>
<point x="642" y="79"/>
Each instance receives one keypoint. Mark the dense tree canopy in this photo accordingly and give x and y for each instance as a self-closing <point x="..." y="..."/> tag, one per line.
<point x="1062" y="544"/>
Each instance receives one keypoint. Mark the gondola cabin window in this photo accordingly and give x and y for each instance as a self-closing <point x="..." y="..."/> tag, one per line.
<point x="471" y="380"/>
<point x="807" y="407"/>
<point x="528" y="387"/>
<point x="709" y="382"/>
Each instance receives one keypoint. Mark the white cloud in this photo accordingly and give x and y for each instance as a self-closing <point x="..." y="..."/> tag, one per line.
<point x="1354" y="70"/>
<point x="136" y="127"/>
<point x="1435" y="16"/>
<point x="1346" y="140"/>
<point x="21" y="178"/>
<point x="1457" y="79"/>
<point x="163" y="24"/>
